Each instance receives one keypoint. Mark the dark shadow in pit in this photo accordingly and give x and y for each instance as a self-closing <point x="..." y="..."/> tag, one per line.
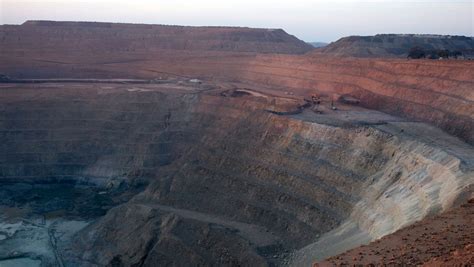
<point x="70" y="199"/>
<point x="38" y="219"/>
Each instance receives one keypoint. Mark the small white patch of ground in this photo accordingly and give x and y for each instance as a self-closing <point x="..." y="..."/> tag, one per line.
<point x="36" y="238"/>
<point x="20" y="262"/>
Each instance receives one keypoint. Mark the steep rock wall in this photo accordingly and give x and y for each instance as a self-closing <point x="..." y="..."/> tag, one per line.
<point x="436" y="92"/>
<point x="302" y="180"/>
<point x="417" y="181"/>
<point x="226" y="168"/>
<point x="76" y="132"/>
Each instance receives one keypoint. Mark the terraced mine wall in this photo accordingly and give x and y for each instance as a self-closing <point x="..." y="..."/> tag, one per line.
<point x="228" y="181"/>
<point x="437" y="92"/>
<point x="219" y="178"/>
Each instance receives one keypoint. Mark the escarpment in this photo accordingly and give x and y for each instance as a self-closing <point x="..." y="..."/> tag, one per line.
<point x="132" y="38"/>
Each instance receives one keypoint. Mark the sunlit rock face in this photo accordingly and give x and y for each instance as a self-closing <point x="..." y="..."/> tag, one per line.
<point x="418" y="180"/>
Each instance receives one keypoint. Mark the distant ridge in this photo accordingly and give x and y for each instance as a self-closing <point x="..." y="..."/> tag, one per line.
<point x="135" y="37"/>
<point x="397" y="45"/>
<point x="318" y="44"/>
<point x="124" y="24"/>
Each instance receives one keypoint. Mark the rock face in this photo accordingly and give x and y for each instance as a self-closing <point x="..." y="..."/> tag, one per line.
<point x="152" y="237"/>
<point x="228" y="181"/>
<point x="397" y="45"/>
<point x="141" y="37"/>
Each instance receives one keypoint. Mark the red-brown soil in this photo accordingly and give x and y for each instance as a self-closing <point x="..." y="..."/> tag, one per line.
<point x="443" y="240"/>
<point x="459" y="257"/>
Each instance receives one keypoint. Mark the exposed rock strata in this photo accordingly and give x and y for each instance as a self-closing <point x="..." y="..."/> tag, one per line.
<point x="223" y="165"/>
<point x="438" y="92"/>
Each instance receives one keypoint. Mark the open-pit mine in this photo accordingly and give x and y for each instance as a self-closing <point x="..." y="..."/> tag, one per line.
<point x="151" y="145"/>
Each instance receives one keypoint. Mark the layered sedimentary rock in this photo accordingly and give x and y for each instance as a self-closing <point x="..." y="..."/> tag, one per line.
<point x="440" y="93"/>
<point x="437" y="92"/>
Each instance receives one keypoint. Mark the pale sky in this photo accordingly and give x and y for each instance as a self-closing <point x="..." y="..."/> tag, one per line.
<point x="316" y="20"/>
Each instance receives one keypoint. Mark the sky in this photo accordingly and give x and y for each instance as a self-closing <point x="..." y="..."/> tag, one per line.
<point x="309" y="20"/>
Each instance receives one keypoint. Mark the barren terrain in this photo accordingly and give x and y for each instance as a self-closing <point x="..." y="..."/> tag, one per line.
<point x="203" y="155"/>
<point x="443" y="240"/>
<point x="438" y="92"/>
